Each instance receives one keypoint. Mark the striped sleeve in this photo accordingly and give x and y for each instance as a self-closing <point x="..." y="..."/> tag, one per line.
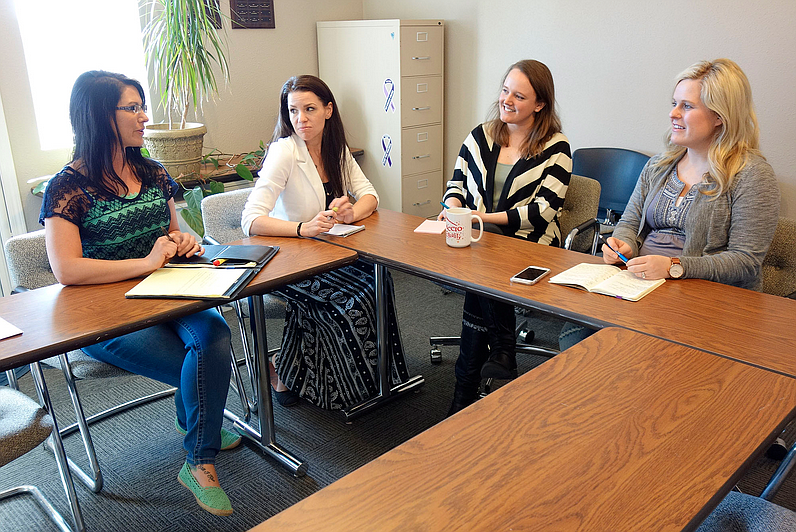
<point x="537" y="193"/>
<point x="468" y="184"/>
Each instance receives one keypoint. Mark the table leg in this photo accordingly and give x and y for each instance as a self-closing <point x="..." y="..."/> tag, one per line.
<point x="386" y="392"/>
<point x="60" y="457"/>
<point x="780" y="475"/>
<point x="265" y="437"/>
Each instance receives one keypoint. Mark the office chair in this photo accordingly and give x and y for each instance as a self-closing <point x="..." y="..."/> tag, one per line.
<point x="617" y="170"/>
<point x="740" y="512"/>
<point x="221" y="217"/>
<point x="779" y="266"/>
<point x="579" y="224"/>
<point x="24" y="424"/>
<point x="29" y="268"/>
<point x="779" y="279"/>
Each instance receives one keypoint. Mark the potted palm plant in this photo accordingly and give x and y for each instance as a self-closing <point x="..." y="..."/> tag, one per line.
<point x="183" y="50"/>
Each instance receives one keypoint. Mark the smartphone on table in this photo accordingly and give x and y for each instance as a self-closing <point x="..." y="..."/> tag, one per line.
<point x="530" y="275"/>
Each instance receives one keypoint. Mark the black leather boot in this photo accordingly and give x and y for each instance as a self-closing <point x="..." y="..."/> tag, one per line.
<point x="500" y="366"/>
<point x="463" y="396"/>
<point x="500" y="323"/>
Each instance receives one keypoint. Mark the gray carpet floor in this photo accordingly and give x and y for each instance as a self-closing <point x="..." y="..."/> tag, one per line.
<point x="141" y="454"/>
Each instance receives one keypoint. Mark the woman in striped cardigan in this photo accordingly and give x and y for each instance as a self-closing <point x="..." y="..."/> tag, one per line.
<point x="514" y="171"/>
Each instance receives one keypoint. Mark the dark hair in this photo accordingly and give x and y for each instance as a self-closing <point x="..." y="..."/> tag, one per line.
<point x="92" y="111"/>
<point x="333" y="144"/>
<point x="546" y="122"/>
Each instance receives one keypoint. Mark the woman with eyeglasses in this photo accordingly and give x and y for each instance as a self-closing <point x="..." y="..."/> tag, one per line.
<point x="104" y="216"/>
<point x="329" y="350"/>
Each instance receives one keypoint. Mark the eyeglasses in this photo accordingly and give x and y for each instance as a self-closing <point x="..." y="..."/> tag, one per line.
<point x="132" y="108"/>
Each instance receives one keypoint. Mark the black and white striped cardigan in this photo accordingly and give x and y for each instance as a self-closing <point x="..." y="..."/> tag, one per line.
<point x="533" y="194"/>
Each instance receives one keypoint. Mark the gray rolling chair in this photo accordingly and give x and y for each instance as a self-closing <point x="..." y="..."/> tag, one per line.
<point x="29" y="268"/>
<point x="221" y="217"/>
<point x="579" y="224"/>
<point x="617" y="170"/>
<point x="24" y="424"/>
<point x="739" y="512"/>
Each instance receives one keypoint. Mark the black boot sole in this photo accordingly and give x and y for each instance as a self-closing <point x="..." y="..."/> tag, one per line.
<point x="493" y="370"/>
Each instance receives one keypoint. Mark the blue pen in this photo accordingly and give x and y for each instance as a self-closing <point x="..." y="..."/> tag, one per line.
<point x="624" y="259"/>
<point x="443" y="204"/>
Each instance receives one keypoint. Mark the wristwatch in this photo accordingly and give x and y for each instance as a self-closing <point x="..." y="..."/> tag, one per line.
<point x="676" y="269"/>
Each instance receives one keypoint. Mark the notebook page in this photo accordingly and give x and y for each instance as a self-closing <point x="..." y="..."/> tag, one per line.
<point x="188" y="282"/>
<point x="344" y="229"/>
<point x="585" y="275"/>
<point x="627" y="286"/>
<point x="8" y="330"/>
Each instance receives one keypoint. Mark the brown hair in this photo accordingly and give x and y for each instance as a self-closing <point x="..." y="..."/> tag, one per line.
<point x="546" y="122"/>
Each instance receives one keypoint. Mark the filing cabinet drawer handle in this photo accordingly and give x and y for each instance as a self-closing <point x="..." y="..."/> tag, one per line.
<point x="421" y="204"/>
<point x="421" y="58"/>
<point x="426" y="156"/>
<point x="420" y="108"/>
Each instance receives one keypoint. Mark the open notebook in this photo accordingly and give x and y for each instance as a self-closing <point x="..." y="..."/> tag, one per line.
<point x="344" y="229"/>
<point x="607" y="280"/>
<point x="220" y="274"/>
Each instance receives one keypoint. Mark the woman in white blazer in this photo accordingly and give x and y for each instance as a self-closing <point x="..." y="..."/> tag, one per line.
<point x="329" y="351"/>
<point x="293" y="191"/>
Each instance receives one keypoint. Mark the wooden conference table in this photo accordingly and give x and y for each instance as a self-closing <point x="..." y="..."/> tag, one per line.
<point x="745" y="325"/>
<point x="706" y="342"/>
<point x="623" y="431"/>
<point x="57" y="319"/>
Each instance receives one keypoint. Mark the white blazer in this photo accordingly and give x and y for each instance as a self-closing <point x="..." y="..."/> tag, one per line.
<point x="290" y="188"/>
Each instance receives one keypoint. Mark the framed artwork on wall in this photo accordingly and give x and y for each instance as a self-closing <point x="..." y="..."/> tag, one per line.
<point x="247" y="14"/>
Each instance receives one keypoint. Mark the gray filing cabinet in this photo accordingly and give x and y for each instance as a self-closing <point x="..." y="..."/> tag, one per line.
<point x="387" y="77"/>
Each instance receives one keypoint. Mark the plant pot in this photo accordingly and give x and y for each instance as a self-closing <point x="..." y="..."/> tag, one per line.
<point x="179" y="150"/>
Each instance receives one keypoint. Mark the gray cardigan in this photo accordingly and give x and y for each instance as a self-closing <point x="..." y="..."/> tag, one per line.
<point x="726" y="237"/>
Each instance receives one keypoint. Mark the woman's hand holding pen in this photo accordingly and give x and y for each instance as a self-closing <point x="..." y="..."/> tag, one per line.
<point x="322" y="222"/>
<point x="613" y="248"/>
<point x="450" y="203"/>
<point x="650" y="267"/>
<point x="186" y="243"/>
<point x="342" y="209"/>
<point x="163" y="250"/>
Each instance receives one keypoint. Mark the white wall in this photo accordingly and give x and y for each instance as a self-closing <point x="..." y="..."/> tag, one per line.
<point x="614" y="63"/>
<point x="260" y="62"/>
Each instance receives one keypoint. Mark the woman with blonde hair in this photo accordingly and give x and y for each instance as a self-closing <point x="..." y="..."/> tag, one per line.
<point x="707" y="207"/>
<point x="514" y="172"/>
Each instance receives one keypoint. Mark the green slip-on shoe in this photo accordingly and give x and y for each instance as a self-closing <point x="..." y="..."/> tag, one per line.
<point x="213" y="499"/>
<point x="229" y="440"/>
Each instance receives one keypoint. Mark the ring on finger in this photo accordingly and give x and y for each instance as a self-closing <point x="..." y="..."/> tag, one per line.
<point x="643" y="275"/>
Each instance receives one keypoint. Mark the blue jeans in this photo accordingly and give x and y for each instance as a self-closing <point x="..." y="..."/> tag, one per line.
<point x="191" y="353"/>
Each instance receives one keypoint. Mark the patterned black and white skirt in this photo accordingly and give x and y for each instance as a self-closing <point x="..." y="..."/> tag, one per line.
<point x="329" y="352"/>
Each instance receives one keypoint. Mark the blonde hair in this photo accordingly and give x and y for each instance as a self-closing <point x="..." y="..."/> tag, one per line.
<point x="546" y="122"/>
<point x="725" y="90"/>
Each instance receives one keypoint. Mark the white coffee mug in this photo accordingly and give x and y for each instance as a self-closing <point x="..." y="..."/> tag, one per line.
<point x="459" y="227"/>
